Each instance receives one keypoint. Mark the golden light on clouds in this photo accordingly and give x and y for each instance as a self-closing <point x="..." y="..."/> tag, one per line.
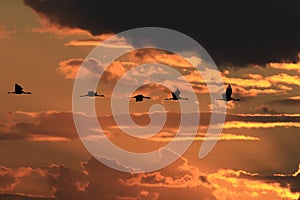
<point x="239" y="124"/>
<point x="295" y="98"/>
<point x="285" y="66"/>
<point x="47" y="139"/>
<point x="96" y="40"/>
<point x="93" y="41"/>
<point x="172" y="60"/>
<point x="166" y="137"/>
<point x="284" y="78"/>
<point x="48" y="27"/>
<point x="70" y="67"/>
<point x="194" y="76"/>
<point x="255" y="92"/>
<point x="230" y="185"/>
<point x="256" y="82"/>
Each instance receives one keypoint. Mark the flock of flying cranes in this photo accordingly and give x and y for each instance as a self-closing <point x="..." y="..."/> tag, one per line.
<point x="175" y="95"/>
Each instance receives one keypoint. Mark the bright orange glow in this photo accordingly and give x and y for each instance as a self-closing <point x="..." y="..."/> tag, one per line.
<point x="254" y="92"/>
<point x="284" y="78"/>
<point x="47" y="27"/>
<point x="258" y="82"/>
<point x="285" y="66"/>
<point x="69" y="67"/>
<point x="229" y="185"/>
<point x="48" y="139"/>
<point x="172" y="60"/>
<point x="295" y="98"/>
<point x="96" y="40"/>
<point x="224" y="136"/>
<point x="194" y="76"/>
<point x="238" y="124"/>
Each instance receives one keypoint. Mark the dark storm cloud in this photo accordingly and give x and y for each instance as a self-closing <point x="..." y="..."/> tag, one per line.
<point x="232" y="31"/>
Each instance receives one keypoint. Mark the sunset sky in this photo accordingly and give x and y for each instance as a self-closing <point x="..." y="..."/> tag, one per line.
<point x="256" y="46"/>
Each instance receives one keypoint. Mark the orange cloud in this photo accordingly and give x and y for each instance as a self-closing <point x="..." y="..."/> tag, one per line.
<point x="181" y="178"/>
<point x="116" y="69"/>
<point x="69" y="68"/>
<point x="5" y="33"/>
<point x="96" y="40"/>
<point x="255" y="81"/>
<point x="295" y="98"/>
<point x="152" y="55"/>
<point x="10" y="178"/>
<point x="284" y="79"/>
<point x="93" y="41"/>
<point x="254" y="92"/>
<point x="270" y="115"/>
<point x="42" y="183"/>
<point x="171" y="60"/>
<point x="254" y="86"/>
<point x="257" y="84"/>
<point x="285" y="66"/>
<point x="194" y="76"/>
<point x="91" y="68"/>
<point x="37" y="114"/>
<point x="86" y="42"/>
<point x="40" y="138"/>
<point x="48" y="27"/>
<point x="168" y="137"/>
<point x="230" y="184"/>
<point x="145" y="195"/>
<point x="178" y="175"/>
<point x="243" y="124"/>
<point x="41" y="126"/>
<point x="224" y="184"/>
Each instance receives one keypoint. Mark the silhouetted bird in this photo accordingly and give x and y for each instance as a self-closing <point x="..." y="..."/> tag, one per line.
<point x="227" y="95"/>
<point x="18" y="90"/>
<point x="92" y="94"/>
<point x="176" y="96"/>
<point x="140" y="97"/>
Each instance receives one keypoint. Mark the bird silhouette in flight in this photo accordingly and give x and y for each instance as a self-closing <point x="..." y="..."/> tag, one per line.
<point x="176" y="96"/>
<point x="140" y="97"/>
<point x="18" y="90"/>
<point x="227" y="95"/>
<point x="92" y="94"/>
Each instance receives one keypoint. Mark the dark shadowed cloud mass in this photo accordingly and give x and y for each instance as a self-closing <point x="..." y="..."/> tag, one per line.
<point x="233" y="32"/>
